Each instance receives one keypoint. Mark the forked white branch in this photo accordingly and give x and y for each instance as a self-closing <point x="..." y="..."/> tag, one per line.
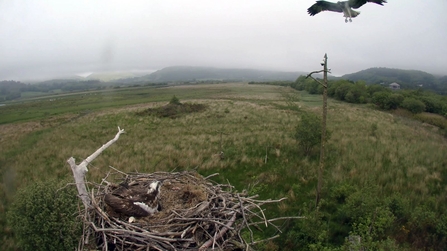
<point x="80" y="170"/>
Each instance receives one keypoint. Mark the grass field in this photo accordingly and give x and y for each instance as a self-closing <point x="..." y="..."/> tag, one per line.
<point x="368" y="148"/>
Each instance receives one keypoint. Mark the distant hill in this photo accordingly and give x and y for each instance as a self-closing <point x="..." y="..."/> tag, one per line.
<point x="189" y="73"/>
<point x="71" y="79"/>
<point x="10" y="89"/>
<point x="10" y="85"/>
<point x="111" y="76"/>
<point x="406" y="78"/>
<point x="443" y="81"/>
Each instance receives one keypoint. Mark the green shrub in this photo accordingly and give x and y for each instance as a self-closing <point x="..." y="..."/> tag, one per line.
<point x="43" y="217"/>
<point x="432" y="119"/>
<point x="433" y="104"/>
<point x="173" y="110"/>
<point x="426" y="229"/>
<point x="382" y="99"/>
<point x="371" y="89"/>
<point x="413" y="105"/>
<point x="395" y="100"/>
<point x="342" y="90"/>
<point x="386" y="100"/>
<point x="308" y="132"/>
<point x="357" y="93"/>
<point x="174" y="101"/>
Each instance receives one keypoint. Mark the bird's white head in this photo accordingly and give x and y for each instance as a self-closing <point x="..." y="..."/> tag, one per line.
<point x="154" y="186"/>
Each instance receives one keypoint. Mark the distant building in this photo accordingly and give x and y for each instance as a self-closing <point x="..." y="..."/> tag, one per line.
<point x="394" y="86"/>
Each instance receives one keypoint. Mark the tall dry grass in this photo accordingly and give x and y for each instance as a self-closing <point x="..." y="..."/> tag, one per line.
<point x="367" y="147"/>
<point x="399" y="156"/>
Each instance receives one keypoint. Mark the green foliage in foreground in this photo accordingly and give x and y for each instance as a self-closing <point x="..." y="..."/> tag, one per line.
<point x="349" y="217"/>
<point x="43" y="217"/>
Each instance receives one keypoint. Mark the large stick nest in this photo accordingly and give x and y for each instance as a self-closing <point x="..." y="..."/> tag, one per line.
<point x="196" y="214"/>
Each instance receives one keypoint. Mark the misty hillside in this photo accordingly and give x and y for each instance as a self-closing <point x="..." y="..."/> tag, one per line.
<point x="10" y="90"/>
<point x="406" y="78"/>
<point x="189" y="73"/>
<point x="111" y="76"/>
<point x="71" y="79"/>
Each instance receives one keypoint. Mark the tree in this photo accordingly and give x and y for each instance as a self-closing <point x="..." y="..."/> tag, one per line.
<point x="395" y="100"/>
<point x="314" y="88"/>
<point x="432" y="103"/>
<point x="342" y="90"/>
<point x="376" y="88"/>
<point x="381" y="99"/>
<point x="308" y="132"/>
<point x="359" y="92"/>
<point x="332" y="86"/>
<point x="413" y="105"/>
<point x="42" y="217"/>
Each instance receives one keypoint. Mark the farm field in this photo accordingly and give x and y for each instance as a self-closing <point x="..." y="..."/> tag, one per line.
<point x="384" y="172"/>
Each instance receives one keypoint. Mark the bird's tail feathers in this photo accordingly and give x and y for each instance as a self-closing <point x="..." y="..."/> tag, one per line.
<point x="353" y="13"/>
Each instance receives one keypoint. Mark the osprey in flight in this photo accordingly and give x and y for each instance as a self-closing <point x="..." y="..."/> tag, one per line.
<point x="342" y="6"/>
<point x="135" y="201"/>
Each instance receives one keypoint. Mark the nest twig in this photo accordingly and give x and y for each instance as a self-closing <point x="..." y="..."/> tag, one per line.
<point x="196" y="214"/>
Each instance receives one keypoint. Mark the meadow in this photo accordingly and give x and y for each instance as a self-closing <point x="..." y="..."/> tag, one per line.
<point x="374" y="158"/>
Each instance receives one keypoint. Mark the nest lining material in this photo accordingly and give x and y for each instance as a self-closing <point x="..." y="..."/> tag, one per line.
<point x="195" y="215"/>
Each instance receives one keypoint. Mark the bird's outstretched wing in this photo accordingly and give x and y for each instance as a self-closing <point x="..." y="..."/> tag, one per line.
<point x="355" y="4"/>
<point x="320" y="6"/>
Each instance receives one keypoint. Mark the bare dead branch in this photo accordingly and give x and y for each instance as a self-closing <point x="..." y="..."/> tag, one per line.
<point x="310" y="74"/>
<point x="80" y="170"/>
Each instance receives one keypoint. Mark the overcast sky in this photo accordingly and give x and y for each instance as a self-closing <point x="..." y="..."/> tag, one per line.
<point x="53" y="38"/>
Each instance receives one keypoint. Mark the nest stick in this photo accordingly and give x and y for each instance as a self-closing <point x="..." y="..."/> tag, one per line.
<point x="221" y="233"/>
<point x="209" y="222"/>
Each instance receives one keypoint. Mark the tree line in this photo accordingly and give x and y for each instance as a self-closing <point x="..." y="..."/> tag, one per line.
<point x="413" y="100"/>
<point x="10" y="90"/>
<point x="406" y="78"/>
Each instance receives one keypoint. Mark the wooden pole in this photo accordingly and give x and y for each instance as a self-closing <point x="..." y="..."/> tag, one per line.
<point x="323" y="127"/>
<point x="323" y="134"/>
